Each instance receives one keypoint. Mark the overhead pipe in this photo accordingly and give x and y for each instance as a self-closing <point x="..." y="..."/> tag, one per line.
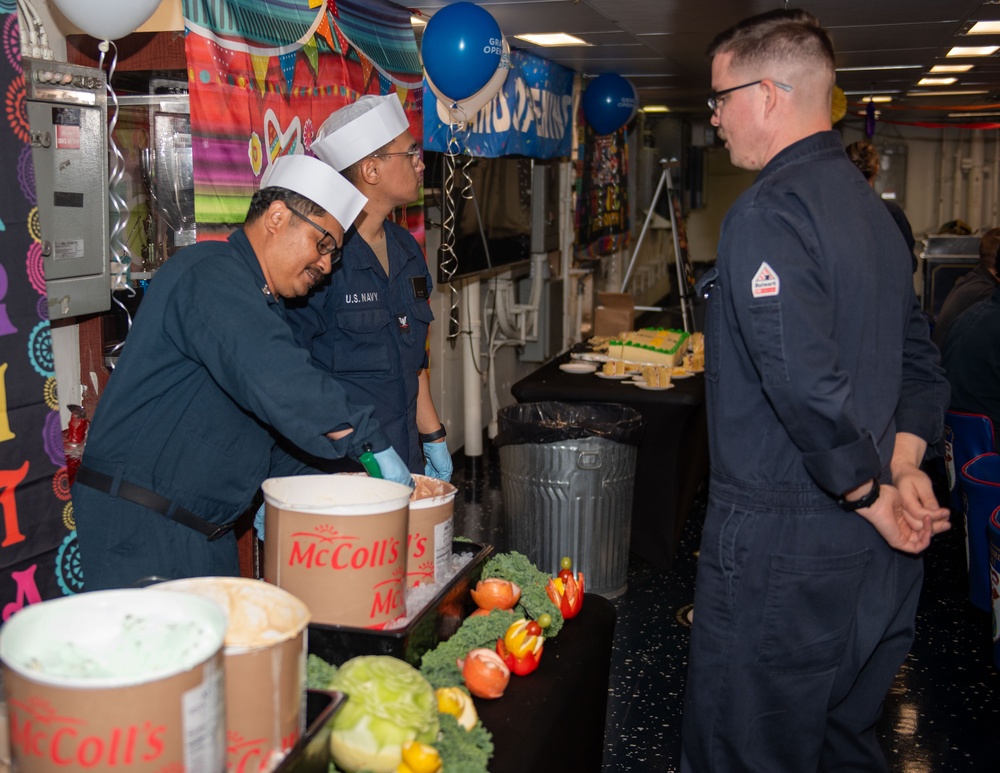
<point x="977" y="163"/>
<point x="472" y="390"/>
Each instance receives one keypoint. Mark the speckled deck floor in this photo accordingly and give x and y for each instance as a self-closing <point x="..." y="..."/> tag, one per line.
<point x="941" y="716"/>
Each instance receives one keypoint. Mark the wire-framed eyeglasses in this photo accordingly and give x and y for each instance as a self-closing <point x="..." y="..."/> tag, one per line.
<point x="716" y="98"/>
<point x="327" y="244"/>
<point x="416" y="155"/>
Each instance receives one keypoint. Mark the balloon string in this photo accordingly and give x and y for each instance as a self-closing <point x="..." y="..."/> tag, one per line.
<point x="120" y="253"/>
<point x="449" y="260"/>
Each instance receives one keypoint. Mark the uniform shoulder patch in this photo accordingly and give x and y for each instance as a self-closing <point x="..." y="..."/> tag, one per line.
<point x="765" y="282"/>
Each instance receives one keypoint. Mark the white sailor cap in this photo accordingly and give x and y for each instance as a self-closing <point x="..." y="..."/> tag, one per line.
<point x="359" y="129"/>
<point x="319" y="183"/>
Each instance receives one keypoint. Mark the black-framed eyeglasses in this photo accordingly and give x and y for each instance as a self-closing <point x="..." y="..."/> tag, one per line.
<point x="416" y="155"/>
<point x="715" y="98"/>
<point x="327" y="245"/>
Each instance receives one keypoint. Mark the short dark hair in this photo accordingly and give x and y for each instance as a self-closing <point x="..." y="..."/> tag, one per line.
<point x="989" y="245"/>
<point x="865" y="157"/>
<point x="352" y="173"/>
<point x="263" y="199"/>
<point x="779" y="35"/>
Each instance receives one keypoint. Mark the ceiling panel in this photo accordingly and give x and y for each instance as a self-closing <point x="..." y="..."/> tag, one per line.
<point x="660" y="44"/>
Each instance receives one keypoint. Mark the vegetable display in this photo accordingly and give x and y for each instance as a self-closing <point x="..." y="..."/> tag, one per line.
<point x="456" y="701"/>
<point x="534" y="600"/>
<point x="400" y="720"/>
<point x="388" y="704"/>
<point x="495" y="593"/>
<point x="565" y="590"/>
<point x="484" y="673"/>
<point x="521" y="647"/>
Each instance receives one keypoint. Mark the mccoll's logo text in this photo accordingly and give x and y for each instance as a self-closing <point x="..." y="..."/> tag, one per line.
<point x="36" y="731"/>
<point x="328" y="550"/>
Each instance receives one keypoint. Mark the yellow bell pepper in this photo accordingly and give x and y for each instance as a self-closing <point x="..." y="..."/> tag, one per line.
<point x="458" y="703"/>
<point x="419" y="758"/>
<point x="519" y="642"/>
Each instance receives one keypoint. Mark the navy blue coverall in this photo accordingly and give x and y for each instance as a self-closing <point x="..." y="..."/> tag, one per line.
<point x="816" y="356"/>
<point x="208" y="380"/>
<point x="370" y="331"/>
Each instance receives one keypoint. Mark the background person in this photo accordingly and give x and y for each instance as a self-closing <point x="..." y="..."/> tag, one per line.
<point x="368" y="324"/>
<point x="971" y="358"/>
<point x="817" y="352"/>
<point x="865" y="157"/>
<point x="209" y="378"/>
<point x="970" y="288"/>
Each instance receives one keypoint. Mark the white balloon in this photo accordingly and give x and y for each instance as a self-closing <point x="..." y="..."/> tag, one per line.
<point x="465" y="110"/>
<point x="107" y="19"/>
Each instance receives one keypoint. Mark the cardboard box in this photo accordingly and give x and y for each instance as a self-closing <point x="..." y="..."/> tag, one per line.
<point x="615" y="313"/>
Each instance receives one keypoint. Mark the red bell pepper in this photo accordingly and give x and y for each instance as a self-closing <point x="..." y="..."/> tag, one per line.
<point x="522" y="666"/>
<point x="566" y="592"/>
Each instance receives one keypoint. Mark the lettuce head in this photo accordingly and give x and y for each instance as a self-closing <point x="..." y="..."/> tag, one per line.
<point x="388" y="703"/>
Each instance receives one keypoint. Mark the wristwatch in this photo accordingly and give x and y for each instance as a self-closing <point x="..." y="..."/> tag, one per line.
<point x="435" y="435"/>
<point x="850" y="505"/>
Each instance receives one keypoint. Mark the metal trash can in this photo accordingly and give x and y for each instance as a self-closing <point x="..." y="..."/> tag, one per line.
<point x="567" y="472"/>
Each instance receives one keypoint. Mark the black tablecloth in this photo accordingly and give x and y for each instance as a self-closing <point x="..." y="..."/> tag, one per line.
<point x="553" y="719"/>
<point x="673" y="456"/>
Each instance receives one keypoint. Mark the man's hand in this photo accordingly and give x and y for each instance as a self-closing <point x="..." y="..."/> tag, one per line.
<point x="917" y="495"/>
<point x="900" y="530"/>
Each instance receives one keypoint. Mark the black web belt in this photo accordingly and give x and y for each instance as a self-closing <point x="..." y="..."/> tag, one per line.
<point x="152" y="501"/>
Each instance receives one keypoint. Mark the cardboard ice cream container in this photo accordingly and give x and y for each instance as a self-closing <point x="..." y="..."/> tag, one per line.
<point x="338" y="543"/>
<point x="126" y="680"/>
<point x="265" y="667"/>
<point x="431" y="527"/>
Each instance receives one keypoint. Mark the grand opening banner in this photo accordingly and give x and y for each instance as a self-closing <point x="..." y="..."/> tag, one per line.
<point x="531" y="116"/>
<point x="264" y="75"/>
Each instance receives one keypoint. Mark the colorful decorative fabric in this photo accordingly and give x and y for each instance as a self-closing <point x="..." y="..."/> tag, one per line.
<point x="38" y="547"/>
<point x="265" y="74"/>
<point x="602" y="210"/>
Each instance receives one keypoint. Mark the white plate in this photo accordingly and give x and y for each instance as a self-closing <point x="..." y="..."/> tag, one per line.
<point x="578" y="367"/>
<point x="644" y="385"/>
<point x="614" y="376"/>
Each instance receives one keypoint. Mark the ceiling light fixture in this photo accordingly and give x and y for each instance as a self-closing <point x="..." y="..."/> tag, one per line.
<point x="866" y="92"/>
<point x="942" y="68"/>
<point x="656" y="109"/>
<point x="877" y="98"/>
<point x="969" y="93"/>
<point x="984" y="28"/>
<point x="936" y="81"/>
<point x="552" y="39"/>
<point x="881" y="67"/>
<point x="971" y="115"/>
<point x="973" y="51"/>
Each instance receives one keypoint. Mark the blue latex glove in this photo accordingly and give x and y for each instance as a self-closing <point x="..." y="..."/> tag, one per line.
<point x="438" y="461"/>
<point x="393" y="467"/>
<point x="258" y="522"/>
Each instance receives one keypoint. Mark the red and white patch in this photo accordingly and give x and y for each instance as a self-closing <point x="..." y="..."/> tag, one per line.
<point x="765" y="282"/>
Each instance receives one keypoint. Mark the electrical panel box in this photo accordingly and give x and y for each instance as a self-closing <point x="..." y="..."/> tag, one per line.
<point x="550" y="319"/>
<point x="67" y="116"/>
<point x="544" y="207"/>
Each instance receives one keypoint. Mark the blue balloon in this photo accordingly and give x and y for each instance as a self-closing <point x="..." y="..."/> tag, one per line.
<point x="461" y="49"/>
<point x="609" y="103"/>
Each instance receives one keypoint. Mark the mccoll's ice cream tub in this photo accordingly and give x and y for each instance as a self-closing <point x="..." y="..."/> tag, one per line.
<point x="128" y="680"/>
<point x="430" y="531"/>
<point x="265" y="667"/>
<point x="338" y="543"/>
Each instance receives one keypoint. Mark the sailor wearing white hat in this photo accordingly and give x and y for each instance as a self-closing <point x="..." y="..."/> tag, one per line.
<point x="369" y="324"/>
<point x="210" y="380"/>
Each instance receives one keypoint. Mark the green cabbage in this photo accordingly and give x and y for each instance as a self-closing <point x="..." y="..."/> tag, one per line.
<point x="388" y="703"/>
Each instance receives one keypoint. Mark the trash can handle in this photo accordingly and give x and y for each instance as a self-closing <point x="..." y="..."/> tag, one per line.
<point x="589" y="460"/>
